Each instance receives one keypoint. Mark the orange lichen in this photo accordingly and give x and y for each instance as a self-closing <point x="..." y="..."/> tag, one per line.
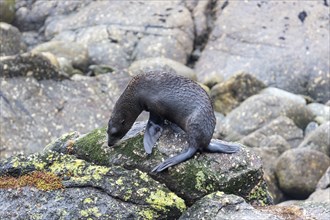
<point x="41" y="180"/>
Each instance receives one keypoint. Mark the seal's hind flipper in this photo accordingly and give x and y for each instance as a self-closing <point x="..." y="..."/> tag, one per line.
<point x="218" y="146"/>
<point x="175" y="160"/>
<point x="153" y="131"/>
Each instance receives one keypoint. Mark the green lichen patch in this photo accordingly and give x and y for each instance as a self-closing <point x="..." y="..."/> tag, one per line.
<point x="41" y="180"/>
<point x="91" y="213"/>
<point x="160" y="200"/>
<point x="148" y="214"/>
<point x="77" y="170"/>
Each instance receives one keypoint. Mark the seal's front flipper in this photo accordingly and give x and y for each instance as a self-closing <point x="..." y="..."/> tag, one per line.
<point x="153" y="131"/>
<point x="175" y="160"/>
<point x="218" y="146"/>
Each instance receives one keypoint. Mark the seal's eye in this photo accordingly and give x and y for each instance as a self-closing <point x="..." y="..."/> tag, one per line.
<point x="122" y="122"/>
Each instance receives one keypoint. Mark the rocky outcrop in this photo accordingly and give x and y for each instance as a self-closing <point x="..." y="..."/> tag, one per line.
<point x="239" y="173"/>
<point x="284" y="44"/>
<point x="132" y="31"/>
<point x="90" y="191"/>
<point x="35" y="112"/>
<point x="103" y="182"/>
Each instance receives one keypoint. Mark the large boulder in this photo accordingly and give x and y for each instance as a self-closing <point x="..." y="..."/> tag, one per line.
<point x="285" y="44"/>
<point x="88" y="191"/>
<point x="299" y="170"/>
<point x="259" y="110"/>
<point x="239" y="173"/>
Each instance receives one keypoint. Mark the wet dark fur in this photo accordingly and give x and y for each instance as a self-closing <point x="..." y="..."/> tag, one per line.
<point x="172" y="97"/>
<point x="175" y="98"/>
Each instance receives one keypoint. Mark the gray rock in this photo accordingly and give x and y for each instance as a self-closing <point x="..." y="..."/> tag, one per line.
<point x="282" y="93"/>
<point x="321" y="195"/>
<point x="324" y="182"/>
<point x="272" y="42"/>
<point x="281" y="126"/>
<point x="228" y="95"/>
<point x="39" y="65"/>
<point x="225" y="207"/>
<point x="7" y="11"/>
<point x="299" y="170"/>
<point x="257" y="111"/>
<point x="161" y="63"/>
<point x="318" y="139"/>
<point x="10" y="40"/>
<point x="321" y="112"/>
<point x="33" y="113"/>
<point x="270" y="148"/>
<point x="88" y="191"/>
<point x="76" y="53"/>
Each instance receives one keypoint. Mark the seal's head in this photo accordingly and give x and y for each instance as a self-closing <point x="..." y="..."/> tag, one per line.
<point x="117" y="128"/>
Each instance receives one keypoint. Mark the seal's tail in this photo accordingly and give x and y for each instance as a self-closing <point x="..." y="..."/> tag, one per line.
<point x="218" y="146"/>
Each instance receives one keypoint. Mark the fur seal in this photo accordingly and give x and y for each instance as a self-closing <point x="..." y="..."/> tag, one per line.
<point x="175" y="98"/>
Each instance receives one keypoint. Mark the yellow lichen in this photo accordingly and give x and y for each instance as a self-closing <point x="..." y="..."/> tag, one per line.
<point x="128" y="194"/>
<point x="147" y="214"/>
<point x="119" y="181"/>
<point x="144" y="176"/>
<point x="160" y="200"/>
<point x="87" y="201"/>
<point x="94" y="211"/>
